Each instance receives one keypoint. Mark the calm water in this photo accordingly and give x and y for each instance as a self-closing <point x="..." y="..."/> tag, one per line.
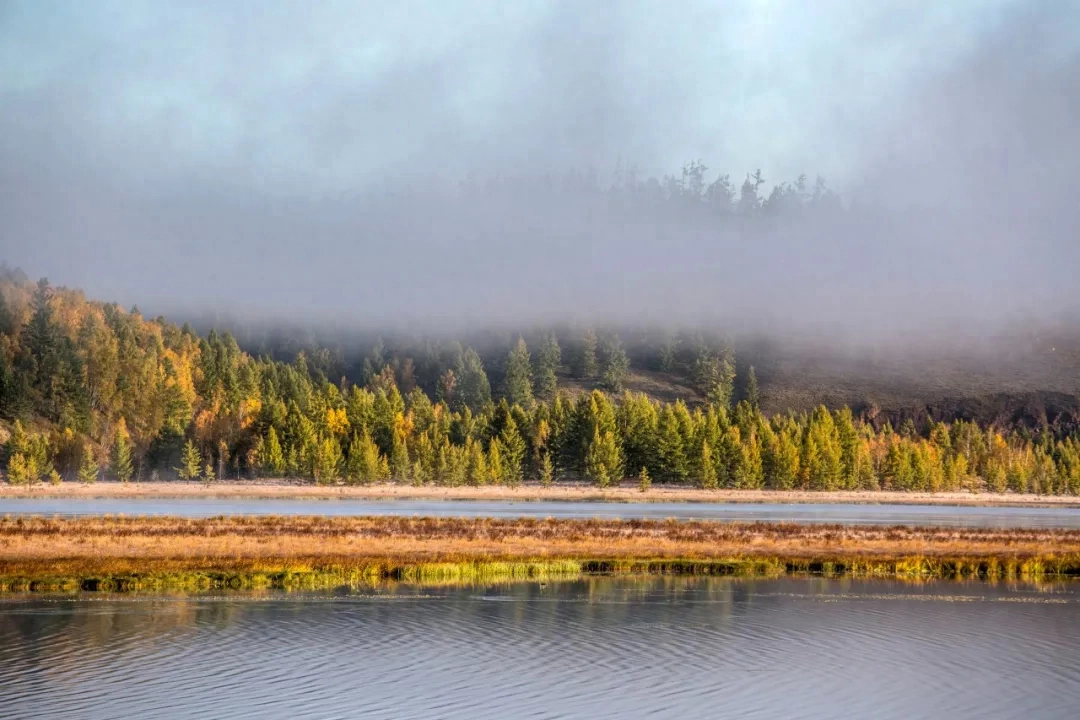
<point x="952" y="516"/>
<point x="603" y="647"/>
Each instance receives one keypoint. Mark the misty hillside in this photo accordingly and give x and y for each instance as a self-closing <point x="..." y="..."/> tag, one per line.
<point x="87" y="388"/>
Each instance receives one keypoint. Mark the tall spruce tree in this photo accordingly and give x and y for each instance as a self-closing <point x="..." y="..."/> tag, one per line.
<point x="547" y="365"/>
<point x="122" y="465"/>
<point x="587" y="366"/>
<point x="191" y="462"/>
<point x="517" y="387"/>
<point x="616" y="365"/>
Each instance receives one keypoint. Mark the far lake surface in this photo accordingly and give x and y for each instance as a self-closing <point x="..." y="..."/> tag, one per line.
<point x="935" y="515"/>
<point x="592" y="648"/>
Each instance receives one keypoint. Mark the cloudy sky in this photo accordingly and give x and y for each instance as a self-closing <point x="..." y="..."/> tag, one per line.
<point x="168" y="153"/>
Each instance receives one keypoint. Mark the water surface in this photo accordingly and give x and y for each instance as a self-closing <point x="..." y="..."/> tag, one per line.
<point x="593" y="648"/>
<point x="935" y="515"/>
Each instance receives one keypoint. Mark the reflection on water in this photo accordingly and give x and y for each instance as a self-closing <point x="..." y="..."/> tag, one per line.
<point x="934" y="515"/>
<point x="598" y="647"/>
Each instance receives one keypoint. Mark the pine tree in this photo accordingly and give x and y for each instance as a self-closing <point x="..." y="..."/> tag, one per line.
<point x="547" y="365"/>
<point x="208" y="474"/>
<point x="587" y="366"/>
<point x="327" y="461"/>
<point x="616" y="365"/>
<point x="603" y="461"/>
<point x="644" y="481"/>
<point x="121" y="453"/>
<point x="191" y="462"/>
<point x="88" y="468"/>
<point x="753" y="395"/>
<point x="476" y="469"/>
<point x="17" y="472"/>
<point x="400" y="467"/>
<point x="518" y="384"/>
<point x="365" y="464"/>
<point x="496" y="467"/>
<point x="273" y="459"/>
<point x="514" y="449"/>
<point x="474" y="390"/>
<point x="547" y="471"/>
<point x="670" y="447"/>
<point x="706" y="468"/>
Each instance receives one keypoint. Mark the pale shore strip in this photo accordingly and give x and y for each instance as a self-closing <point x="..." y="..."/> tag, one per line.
<point x="529" y="492"/>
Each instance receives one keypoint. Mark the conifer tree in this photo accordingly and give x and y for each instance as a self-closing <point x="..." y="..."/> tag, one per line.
<point x="670" y="447"/>
<point x="400" y="466"/>
<point x="121" y="453"/>
<point x="547" y="365"/>
<point x="784" y="466"/>
<point x="753" y="395"/>
<point x="273" y="459"/>
<point x="191" y="462"/>
<point x="476" y="469"/>
<point x="513" y="448"/>
<point x="616" y="365"/>
<point x="518" y="384"/>
<point x="587" y="365"/>
<point x="496" y="467"/>
<point x="88" y="467"/>
<point x="644" y="481"/>
<point x="603" y="461"/>
<point x="474" y="390"/>
<point x="706" y="468"/>
<point x="327" y="461"/>
<point x="547" y="470"/>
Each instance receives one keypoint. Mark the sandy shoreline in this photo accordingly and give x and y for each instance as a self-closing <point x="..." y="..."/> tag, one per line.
<point x="525" y="493"/>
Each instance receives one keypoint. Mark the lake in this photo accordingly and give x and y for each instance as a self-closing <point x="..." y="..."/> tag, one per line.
<point x="591" y="648"/>
<point x="933" y="515"/>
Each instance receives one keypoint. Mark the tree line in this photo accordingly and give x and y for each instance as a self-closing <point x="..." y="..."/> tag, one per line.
<point x="89" y="390"/>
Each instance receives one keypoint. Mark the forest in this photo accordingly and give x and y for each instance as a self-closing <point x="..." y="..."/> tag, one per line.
<point x="90" y="391"/>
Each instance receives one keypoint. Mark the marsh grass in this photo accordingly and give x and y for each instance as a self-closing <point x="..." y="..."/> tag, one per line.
<point x="149" y="553"/>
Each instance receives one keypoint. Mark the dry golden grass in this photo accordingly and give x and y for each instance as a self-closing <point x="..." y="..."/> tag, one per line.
<point x="110" y="545"/>
<point x="526" y="493"/>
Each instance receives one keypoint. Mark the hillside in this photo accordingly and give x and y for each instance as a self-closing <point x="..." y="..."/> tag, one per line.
<point x="90" y="390"/>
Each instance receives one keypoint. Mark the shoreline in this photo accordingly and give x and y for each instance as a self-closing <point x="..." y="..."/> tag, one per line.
<point x="268" y="551"/>
<point x="529" y="492"/>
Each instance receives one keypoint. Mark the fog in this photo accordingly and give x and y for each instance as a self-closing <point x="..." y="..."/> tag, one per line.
<point x="485" y="163"/>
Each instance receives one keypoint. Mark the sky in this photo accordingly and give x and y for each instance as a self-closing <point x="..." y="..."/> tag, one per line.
<point x="279" y="158"/>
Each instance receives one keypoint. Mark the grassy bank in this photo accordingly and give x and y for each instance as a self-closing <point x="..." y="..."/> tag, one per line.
<point x="317" y="552"/>
<point x="528" y="492"/>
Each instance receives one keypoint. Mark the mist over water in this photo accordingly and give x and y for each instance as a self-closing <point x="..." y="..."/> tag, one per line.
<point x="481" y="164"/>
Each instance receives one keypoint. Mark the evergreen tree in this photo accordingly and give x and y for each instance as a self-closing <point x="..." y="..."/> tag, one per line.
<point x="496" y="467"/>
<point x="474" y="390"/>
<point x="547" y="365"/>
<point x="603" y="462"/>
<point x="513" y="448"/>
<point x="753" y="395"/>
<point x="587" y="365"/>
<point x="476" y="469"/>
<point x="616" y="365"/>
<point x="518" y="384"/>
<point x="191" y="462"/>
<point x="706" y="468"/>
<point x="273" y="460"/>
<point x="88" y="468"/>
<point x="670" y="446"/>
<point x="547" y="471"/>
<point x="644" y="481"/>
<point x="121" y="453"/>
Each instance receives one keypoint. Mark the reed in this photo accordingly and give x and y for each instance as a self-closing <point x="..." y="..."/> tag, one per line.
<point x="119" y="553"/>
